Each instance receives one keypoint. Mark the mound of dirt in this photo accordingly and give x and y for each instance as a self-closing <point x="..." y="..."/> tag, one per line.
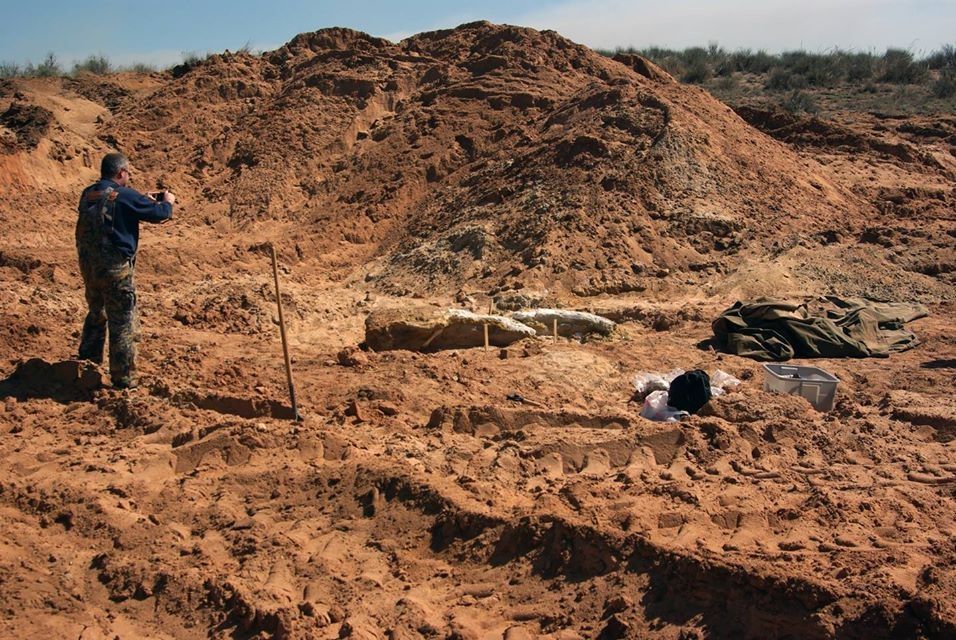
<point x="98" y="89"/>
<point x="491" y="155"/>
<point x="27" y="124"/>
<point x="807" y="131"/>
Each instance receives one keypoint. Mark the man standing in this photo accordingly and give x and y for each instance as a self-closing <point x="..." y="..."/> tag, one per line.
<point x="107" y="234"/>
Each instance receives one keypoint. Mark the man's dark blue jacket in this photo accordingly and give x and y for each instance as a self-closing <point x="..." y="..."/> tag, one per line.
<point x="129" y="207"/>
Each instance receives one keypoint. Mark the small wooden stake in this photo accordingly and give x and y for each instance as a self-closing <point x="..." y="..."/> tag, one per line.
<point x="285" y="342"/>
<point x="491" y="308"/>
<point x="432" y="337"/>
<point x="554" y="330"/>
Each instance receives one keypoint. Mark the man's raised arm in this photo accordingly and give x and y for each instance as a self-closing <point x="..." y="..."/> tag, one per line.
<point x="149" y="209"/>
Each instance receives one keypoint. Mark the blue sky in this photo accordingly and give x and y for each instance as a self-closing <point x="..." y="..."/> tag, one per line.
<point x="159" y="33"/>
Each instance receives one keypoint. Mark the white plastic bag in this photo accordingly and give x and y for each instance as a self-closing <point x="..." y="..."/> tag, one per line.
<point x="719" y="382"/>
<point x="645" y="383"/>
<point x="655" y="408"/>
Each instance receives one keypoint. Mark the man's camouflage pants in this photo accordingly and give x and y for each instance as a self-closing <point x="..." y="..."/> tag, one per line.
<point x="111" y="298"/>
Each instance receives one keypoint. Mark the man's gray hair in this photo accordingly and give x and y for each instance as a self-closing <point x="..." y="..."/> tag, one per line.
<point x="112" y="164"/>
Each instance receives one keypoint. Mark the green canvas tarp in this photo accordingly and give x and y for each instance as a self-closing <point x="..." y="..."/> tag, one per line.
<point x="774" y="330"/>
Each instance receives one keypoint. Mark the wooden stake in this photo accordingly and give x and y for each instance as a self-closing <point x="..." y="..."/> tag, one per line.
<point x="491" y="308"/>
<point x="285" y="342"/>
<point x="432" y="337"/>
<point x="554" y="330"/>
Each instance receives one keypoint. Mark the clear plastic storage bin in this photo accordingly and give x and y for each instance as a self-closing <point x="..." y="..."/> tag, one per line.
<point x="816" y="385"/>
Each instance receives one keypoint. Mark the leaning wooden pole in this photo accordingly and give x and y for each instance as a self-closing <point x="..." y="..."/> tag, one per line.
<point x="285" y="341"/>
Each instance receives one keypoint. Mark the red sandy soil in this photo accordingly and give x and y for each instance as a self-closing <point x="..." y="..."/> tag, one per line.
<point x="416" y="500"/>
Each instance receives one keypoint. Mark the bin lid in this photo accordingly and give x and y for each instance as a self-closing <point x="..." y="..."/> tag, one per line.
<point x="799" y="372"/>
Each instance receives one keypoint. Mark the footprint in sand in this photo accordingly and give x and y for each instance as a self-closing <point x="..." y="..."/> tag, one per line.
<point x="519" y="633"/>
<point x="597" y="463"/>
<point x="550" y="465"/>
<point x="928" y="478"/>
<point x="792" y="544"/>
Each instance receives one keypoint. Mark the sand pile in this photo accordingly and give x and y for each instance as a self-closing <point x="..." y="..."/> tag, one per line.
<point x="492" y="155"/>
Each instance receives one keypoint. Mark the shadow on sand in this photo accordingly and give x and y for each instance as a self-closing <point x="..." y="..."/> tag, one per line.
<point x="939" y="364"/>
<point x="65" y="381"/>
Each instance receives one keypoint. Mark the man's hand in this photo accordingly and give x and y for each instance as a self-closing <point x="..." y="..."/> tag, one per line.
<point x="163" y="196"/>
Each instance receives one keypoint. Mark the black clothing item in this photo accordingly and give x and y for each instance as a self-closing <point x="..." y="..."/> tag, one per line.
<point x="123" y="213"/>
<point x="835" y="328"/>
<point x="689" y="391"/>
